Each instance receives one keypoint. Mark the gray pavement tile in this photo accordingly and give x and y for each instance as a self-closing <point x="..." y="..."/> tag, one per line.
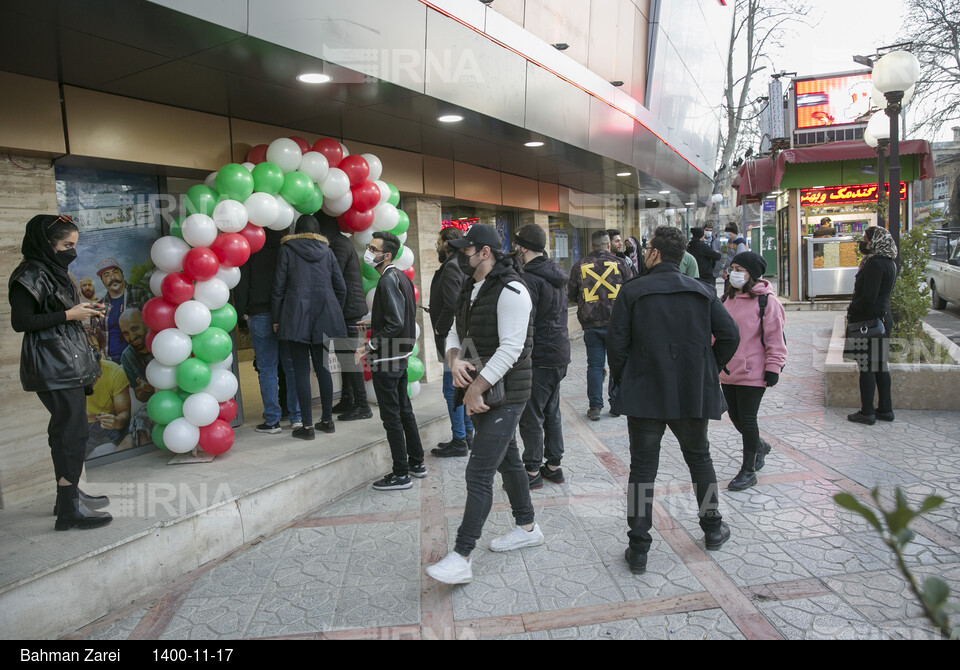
<point x="388" y="566"/>
<point x="367" y="501"/>
<point x="383" y="604"/>
<point x="838" y="554"/>
<point x="917" y="628"/>
<point x="748" y="565"/>
<point x="704" y="625"/>
<point x="628" y="629"/>
<point x="787" y="524"/>
<point x="843" y="521"/>
<point x="825" y="617"/>
<point x="538" y="635"/>
<point x="119" y="629"/>
<point x="215" y="618"/>
<point x="486" y="562"/>
<point x="866" y="470"/>
<point x="494" y="595"/>
<point x="293" y="611"/>
<point x="947" y="489"/>
<point x="879" y="596"/>
<point x="948" y="518"/>
<point x="666" y="574"/>
<point x="561" y="588"/>
<point x="242" y="574"/>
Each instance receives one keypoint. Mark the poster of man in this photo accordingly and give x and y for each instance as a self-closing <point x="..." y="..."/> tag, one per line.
<point x="118" y="297"/>
<point x="108" y="412"/>
<point x="134" y="361"/>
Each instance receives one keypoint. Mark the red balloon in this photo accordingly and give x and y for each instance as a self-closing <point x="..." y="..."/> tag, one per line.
<point x="330" y="149"/>
<point x="228" y="410"/>
<point x="409" y="273"/>
<point x="148" y="339"/>
<point x="302" y="143"/>
<point x="257" y="154"/>
<point x="344" y="228"/>
<point x="157" y="314"/>
<point x="357" y="169"/>
<point x="365" y="196"/>
<point x="232" y="249"/>
<point x="416" y="294"/>
<point x="356" y="221"/>
<point x="200" y="264"/>
<point x="176" y="288"/>
<point x="255" y="236"/>
<point x="216" y="438"/>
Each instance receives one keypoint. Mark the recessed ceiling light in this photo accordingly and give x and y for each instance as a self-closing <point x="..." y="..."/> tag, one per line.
<point x="314" y="78"/>
<point x="449" y="118"/>
<point x="533" y="144"/>
<point x="624" y="174"/>
<point x="663" y="192"/>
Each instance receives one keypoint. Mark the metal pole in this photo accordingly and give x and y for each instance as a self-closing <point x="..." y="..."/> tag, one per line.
<point x="881" y="180"/>
<point x="893" y="111"/>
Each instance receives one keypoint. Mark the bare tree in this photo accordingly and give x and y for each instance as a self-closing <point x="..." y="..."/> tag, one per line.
<point x="934" y="28"/>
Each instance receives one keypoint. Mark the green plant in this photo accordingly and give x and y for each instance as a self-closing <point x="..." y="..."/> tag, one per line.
<point x="910" y="300"/>
<point x="897" y="534"/>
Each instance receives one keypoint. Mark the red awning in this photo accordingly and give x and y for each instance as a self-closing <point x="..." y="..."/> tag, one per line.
<point x="756" y="178"/>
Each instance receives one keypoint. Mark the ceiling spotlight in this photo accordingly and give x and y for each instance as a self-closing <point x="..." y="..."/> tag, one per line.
<point x="624" y="174"/>
<point x="560" y="46"/>
<point x="449" y="118"/>
<point x="663" y="192"/>
<point x="533" y="144"/>
<point x="688" y="204"/>
<point x="314" y="78"/>
<point x="617" y="83"/>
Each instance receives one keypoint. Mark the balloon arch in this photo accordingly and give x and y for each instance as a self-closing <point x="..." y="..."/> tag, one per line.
<point x="190" y="319"/>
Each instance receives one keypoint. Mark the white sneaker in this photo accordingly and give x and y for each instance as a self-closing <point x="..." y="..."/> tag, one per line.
<point x="453" y="569"/>
<point x="296" y="425"/>
<point x="517" y="539"/>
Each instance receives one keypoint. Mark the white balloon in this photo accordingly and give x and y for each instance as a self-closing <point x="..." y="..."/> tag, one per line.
<point x="230" y="216"/>
<point x="285" y="154"/>
<point x="337" y="206"/>
<point x="155" y="280"/>
<point x="223" y="385"/>
<point x="402" y="237"/>
<point x="414" y="392"/>
<point x="371" y="392"/>
<point x="335" y="185"/>
<point x="201" y="409"/>
<point x="248" y="165"/>
<point x="180" y="436"/>
<point x="229" y="276"/>
<point x="225" y="364"/>
<point x="405" y="261"/>
<point x="262" y="209"/>
<point x="192" y="317"/>
<point x="167" y="253"/>
<point x="314" y="164"/>
<point x="171" y="347"/>
<point x="161" y="376"/>
<point x="384" y="188"/>
<point x="362" y="239"/>
<point x="286" y="214"/>
<point x="346" y="152"/>
<point x="213" y="293"/>
<point x="370" y="294"/>
<point x="211" y="181"/>
<point x="385" y="217"/>
<point x="199" y="230"/>
<point x="417" y="329"/>
<point x="376" y="167"/>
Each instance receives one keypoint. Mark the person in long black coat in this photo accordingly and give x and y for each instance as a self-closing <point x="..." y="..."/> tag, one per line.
<point x="306" y="306"/>
<point x="871" y="300"/>
<point x="661" y="356"/>
<point x="705" y="256"/>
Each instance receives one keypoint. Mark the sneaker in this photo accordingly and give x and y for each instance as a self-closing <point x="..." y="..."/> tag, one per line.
<point x="593" y="413"/>
<point x="392" y="483"/>
<point x="555" y="476"/>
<point x="453" y="569"/>
<point x="453" y="448"/>
<point x="885" y="416"/>
<point x="356" y="414"/>
<point x="325" y="426"/>
<point x="419" y="470"/>
<point x="272" y="428"/>
<point x="343" y="406"/>
<point x="765" y="449"/>
<point x="296" y="424"/>
<point x="615" y="415"/>
<point x="859" y="417"/>
<point x="302" y="433"/>
<point x="536" y="482"/>
<point x="517" y="539"/>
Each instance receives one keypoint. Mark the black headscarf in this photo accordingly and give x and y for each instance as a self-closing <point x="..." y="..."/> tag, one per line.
<point x="36" y="247"/>
<point x="308" y="224"/>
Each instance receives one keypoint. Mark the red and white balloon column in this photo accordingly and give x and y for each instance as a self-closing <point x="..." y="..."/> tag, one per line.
<point x="191" y="318"/>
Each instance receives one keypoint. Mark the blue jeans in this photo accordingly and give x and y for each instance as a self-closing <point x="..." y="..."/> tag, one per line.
<point x="270" y="352"/>
<point x="459" y="420"/>
<point x="595" y="340"/>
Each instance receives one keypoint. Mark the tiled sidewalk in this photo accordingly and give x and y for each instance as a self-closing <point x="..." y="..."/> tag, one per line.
<point x="796" y="567"/>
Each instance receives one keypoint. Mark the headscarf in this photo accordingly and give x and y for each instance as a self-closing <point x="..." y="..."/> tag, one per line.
<point x="36" y="247"/>
<point x="881" y="244"/>
<point x="635" y="255"/>
<point x="307" y="224"/>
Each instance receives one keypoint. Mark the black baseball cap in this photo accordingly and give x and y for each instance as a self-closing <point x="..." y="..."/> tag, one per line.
<point x="480" y="235"/>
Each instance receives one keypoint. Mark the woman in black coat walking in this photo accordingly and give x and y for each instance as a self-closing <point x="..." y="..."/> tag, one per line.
<point x="307" y="303"/>
<point x="871" y="300"/>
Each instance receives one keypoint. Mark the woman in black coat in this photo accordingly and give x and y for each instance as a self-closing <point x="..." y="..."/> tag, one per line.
<point x="307" y="303"/>
<point x="871" y="300"/>
<point x="55" y="359"/>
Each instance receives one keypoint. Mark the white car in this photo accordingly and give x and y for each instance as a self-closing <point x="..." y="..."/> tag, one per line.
<point x="943" y="268"/>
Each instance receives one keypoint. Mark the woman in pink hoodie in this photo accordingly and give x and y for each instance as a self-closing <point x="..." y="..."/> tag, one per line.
<point x="751" y="302"/>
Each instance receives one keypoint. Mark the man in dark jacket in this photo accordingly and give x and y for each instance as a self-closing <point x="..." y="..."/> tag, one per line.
<point x="540" y="426"/>
<point x="251" y="297"/>
<point x="353" y="394"/>
<point x="594" y="284"/>
<point x="392" y="336"/>
<point x="661" y="356"/>
<point x="705" y="256"/>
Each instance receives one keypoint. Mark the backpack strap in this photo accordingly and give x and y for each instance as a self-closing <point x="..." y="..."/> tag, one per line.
<point x="762" y="300"/>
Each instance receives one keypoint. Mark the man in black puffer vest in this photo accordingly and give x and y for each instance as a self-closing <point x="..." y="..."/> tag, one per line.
<point x="488" y="350"/>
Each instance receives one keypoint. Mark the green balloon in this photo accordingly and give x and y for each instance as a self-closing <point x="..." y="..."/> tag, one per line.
<point x="176" y="228"/>
<point x="211" y="346"/>
<point x="157" y="435"/>
<point x="312" y="204"/>
<point x="297" y="188"/>
<point x="164" y="406"/>
<point x="369" y="272"/>
<point x="224" y="318"/>
<point x="414" y="369"/>
<point x="416" y="350"/>
<point x="369" y="284"/>
<point x="201" y="199"/>
<point x="235" y="182"/>
<point x="267" y="178"/>
<point x="402" y="225"/>
<point x="394" y="198"/>
<point x="193" y="375"/>
<point x="183" y="395"/>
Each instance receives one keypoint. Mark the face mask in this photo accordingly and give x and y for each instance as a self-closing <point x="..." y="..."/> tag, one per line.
<point x="370" y="258"/>
<point x="441" y="255"/>
<point x="708" y="235"/>
<point x="629" y="249"/>
<point x="864" y="247"/>
<point x="738" y="279"/>
<point x="464" y="262"/>
<point x="65" y="257"/>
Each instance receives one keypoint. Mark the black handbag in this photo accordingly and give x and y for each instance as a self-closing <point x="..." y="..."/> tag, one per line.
<point x="492" y="397"/>
<point x="870" y="328"/>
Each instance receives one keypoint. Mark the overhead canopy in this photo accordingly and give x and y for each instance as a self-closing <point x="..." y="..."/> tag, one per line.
<point x="756" y="178"/>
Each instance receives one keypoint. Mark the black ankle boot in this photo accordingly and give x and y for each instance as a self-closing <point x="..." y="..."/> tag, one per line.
<point x="747" y="476"/>
<point x="92" y="502"/>
<point x="637" y="561"/>
<point x="73" y="513"/>
<point x="765" y="449"/>
<point x="345" y="405"/>
<point x="717" y="532"/>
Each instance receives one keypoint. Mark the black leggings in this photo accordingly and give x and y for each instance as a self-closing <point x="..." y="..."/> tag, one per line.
<point x="879" y="381"/>
<point x="67" y="431"/>
<point x="301" y="353"/>
<point x="743" y="403"/>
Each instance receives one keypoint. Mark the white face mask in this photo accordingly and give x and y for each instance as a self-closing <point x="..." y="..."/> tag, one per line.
<point x="738" y="279"/>
<point x="369" y="258"/>
<point x="708" y="235"/>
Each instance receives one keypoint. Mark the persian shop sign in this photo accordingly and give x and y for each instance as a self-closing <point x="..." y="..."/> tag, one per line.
<point x="844" y="194"/>
<point x="462" y="224"/>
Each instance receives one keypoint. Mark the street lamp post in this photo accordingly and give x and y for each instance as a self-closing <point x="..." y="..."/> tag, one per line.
<point x="877" y="136"/>
<point x="893" y="74"/>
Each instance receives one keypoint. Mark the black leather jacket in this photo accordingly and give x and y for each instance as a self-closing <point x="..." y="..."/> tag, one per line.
<point x="393" y="317"/>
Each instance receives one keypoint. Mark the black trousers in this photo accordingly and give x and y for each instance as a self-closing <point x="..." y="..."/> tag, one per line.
<point x="540" y="426"/>
<point x="67" y="431"/>
<point x="743" y="403"/>
<point x="353" y="389"/>
<point x="881" y="383"/>
<point x="398" y="418"/>
<point x="301" y="353"/>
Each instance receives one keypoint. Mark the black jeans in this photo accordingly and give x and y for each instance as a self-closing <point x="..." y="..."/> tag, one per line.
<point x="879" y="381"/>
<point x="540" y="426"/>
<point x="301" y="353"/>
<point x="743" y="403"/>
<point x="645" y="436"/>
<point x="353" y="389"/>
<point x="67" y="431"/>
<point x="494" y="450"/>
<point x="398" y="418"/>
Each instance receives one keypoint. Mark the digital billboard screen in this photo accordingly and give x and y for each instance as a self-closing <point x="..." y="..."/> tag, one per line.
<point x="832" y="101"/>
